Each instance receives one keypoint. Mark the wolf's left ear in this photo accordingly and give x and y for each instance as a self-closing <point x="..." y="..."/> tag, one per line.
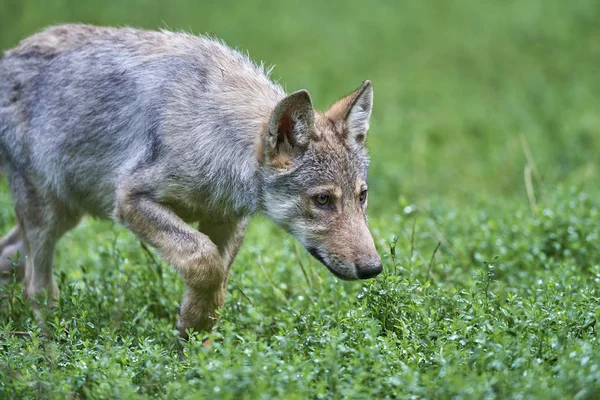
<point x="355" y="109"/>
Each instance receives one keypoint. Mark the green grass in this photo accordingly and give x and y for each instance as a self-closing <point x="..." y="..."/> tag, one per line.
<point x="508" y="305"/>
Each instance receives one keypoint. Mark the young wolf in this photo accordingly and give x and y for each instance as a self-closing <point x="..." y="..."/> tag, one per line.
<point x="157" y="130"/>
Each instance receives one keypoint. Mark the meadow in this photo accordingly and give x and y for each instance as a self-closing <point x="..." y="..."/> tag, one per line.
<point x="484" y="205"/>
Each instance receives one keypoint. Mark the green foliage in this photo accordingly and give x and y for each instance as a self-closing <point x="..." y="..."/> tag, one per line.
<point x="487" y="292"/>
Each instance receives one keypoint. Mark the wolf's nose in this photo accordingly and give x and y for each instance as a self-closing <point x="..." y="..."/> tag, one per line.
<point x="369" y="270"/>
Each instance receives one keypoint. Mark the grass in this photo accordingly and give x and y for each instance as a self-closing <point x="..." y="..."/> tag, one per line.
<point x="484" y="205"/>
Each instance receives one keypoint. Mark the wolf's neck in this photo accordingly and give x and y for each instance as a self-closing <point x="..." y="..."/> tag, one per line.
<point x="227" y="122"/>
<point x="228" y="154"/>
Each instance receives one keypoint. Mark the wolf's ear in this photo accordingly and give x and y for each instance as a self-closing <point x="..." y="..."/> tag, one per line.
<point x="355" y="109"/>
<point x="290" y="127"/>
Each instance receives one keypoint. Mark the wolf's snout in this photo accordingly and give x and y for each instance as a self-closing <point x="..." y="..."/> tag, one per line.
<point x="369" y="270"/>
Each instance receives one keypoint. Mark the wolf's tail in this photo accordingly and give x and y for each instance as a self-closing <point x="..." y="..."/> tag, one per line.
<point x="3" y="118"/>
<point x="3" y="129"/>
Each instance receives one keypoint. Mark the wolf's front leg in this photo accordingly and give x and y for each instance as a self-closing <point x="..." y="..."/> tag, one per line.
<point x="194" y="254"/>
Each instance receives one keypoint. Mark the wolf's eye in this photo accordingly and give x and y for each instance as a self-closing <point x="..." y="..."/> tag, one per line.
<point x="322" y="200"/>
<point x="363" y="196"/>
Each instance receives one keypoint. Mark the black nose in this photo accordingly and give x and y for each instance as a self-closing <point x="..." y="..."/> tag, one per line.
<point x="369" y="270"/>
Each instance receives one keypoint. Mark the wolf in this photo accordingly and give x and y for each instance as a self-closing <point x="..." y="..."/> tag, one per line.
<point x="180" y="139"/>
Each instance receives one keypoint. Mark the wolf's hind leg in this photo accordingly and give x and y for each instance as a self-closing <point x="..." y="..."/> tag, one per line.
<point x="10" y="245"/>
<point x="193" y="253"/>
<point x="10" y="238"/>
<point x="42" y="222"/>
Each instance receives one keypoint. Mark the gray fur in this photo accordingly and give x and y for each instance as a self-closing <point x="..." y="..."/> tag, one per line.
<point x="153" y="128"/>
<point x="108" y="94"/>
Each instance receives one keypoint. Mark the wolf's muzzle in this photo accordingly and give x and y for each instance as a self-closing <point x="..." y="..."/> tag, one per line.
<point x="370" y="270"/>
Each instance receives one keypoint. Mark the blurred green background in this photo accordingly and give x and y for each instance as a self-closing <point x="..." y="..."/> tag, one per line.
<point x="460" y="86"/>
<point x="469" y="95"/>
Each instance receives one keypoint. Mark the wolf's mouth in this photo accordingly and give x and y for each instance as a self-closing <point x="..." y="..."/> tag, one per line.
<point x="315" y="253"/>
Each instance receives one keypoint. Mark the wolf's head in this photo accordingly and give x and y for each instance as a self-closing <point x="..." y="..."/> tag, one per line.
<point x="315" y="179"/>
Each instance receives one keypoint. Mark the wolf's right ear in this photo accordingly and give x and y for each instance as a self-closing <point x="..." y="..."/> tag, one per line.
<point x="290" y="127"/>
